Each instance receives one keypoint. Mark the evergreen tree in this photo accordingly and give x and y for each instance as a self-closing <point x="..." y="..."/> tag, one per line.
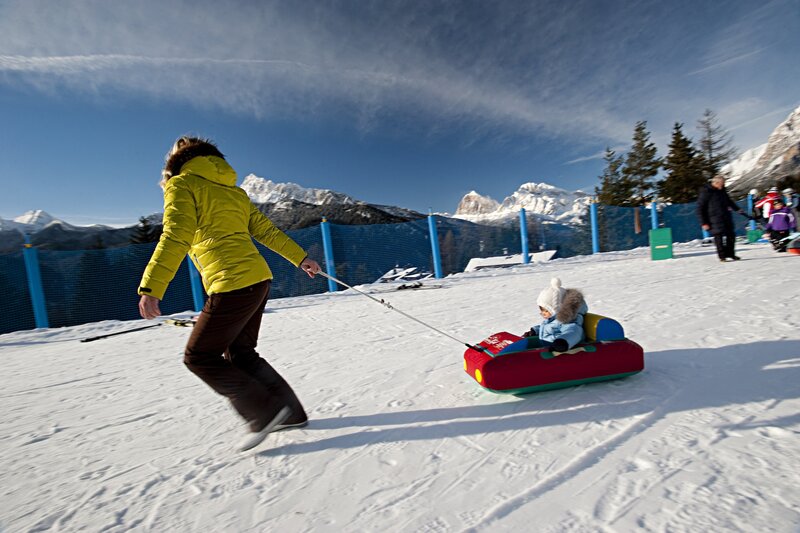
<point x="614" y="188"/>
<point x="684" y="173"/>
<point x="96" y="243"/>
<point x="145" y="232"/>
<point x="641" y="165"/>
<point x="715" y="145"/>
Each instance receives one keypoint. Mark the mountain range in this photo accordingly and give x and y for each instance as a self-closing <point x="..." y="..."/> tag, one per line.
<point x="291" y="206"/>
<point x="541" y="200"/>
<point x="761" y="167"/>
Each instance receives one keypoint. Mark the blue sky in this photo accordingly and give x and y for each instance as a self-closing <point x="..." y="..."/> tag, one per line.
<point x="408" y="103"/>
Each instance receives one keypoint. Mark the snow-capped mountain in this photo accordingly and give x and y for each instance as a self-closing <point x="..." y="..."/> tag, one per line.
<point x="475" y="204"/>
<point x="264" y="191"/>
<point x="50" y="233"/>
<point x="761" y="167"/>
<point x="291" y="206"/>
<point x="29" y="222"/>
<point x="540" y="199"/>
<point x="37" y="220"/>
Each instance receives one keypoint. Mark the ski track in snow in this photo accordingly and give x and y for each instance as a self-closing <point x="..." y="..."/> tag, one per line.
<point x="117" y="436"/>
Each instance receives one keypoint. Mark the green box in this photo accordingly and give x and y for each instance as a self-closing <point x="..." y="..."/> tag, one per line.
<point x="754" y="235"/>
<point x="660" y="243"/>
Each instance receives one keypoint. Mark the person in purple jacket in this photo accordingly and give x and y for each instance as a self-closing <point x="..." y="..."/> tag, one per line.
<point x="781" y="223"/>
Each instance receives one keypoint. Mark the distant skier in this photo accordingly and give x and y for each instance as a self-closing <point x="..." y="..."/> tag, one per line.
<point x="781" y="223"/>
<point x="765" y="204"/>
<point x="208" y="216"/>
<point x="562" y="311"/>
<point x="714" y="208"/>
<point x="792" y="200"/>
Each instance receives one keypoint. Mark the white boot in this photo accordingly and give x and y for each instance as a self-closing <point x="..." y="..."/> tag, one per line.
<point x="254" y="439"/>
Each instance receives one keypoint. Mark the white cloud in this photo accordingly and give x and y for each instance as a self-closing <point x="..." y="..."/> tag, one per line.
<point x="487" y="70"/>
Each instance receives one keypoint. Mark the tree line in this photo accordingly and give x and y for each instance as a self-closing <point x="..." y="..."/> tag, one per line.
<point x="630" y="180"/>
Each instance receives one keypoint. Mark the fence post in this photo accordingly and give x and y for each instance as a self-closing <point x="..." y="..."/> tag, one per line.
<point x="197" y="285"/>
<point x="327" y="246"/>
<point x="523" y="236"/>
<point x="654" y="214"/>
<point x="31" y="257"/>
<point x="750" y="210"/>
<point x="437" y="258"/>
<point x="595" y="236"/>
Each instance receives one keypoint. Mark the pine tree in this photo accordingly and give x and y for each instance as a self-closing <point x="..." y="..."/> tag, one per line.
<point x="715" y="145"/>
<point x="641" y="165"/>
<point x="614" y="189"/>
<point x="684" y="173"/>
<point x="145" y="232"/>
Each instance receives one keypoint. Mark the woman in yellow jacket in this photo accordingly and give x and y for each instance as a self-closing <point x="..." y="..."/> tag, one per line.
<point x="207" y="216"/>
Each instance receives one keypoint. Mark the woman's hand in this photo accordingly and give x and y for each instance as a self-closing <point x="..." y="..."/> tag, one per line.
<point x="310" y="266"/>
<point x="148" y="306"/>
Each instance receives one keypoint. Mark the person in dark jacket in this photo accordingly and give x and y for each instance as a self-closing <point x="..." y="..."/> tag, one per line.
<point x="714" y="209"/>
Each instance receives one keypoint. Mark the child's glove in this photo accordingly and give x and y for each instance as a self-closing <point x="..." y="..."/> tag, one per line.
<point x="530" y="333"/>
<point x="559" y="345"/>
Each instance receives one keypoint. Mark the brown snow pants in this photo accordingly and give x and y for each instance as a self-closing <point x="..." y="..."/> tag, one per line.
<point x="221" y="352"/>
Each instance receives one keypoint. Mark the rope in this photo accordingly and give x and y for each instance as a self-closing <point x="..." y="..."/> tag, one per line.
<point x="389" y="306"/>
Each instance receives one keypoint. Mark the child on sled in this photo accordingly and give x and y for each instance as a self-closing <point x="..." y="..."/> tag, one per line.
<point x="562" y="311"/>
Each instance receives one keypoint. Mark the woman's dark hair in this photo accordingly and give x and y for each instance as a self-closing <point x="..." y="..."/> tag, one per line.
<point x="185" y="149"/>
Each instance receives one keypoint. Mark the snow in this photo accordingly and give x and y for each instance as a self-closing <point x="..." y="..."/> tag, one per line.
<point x="117" y="435"/>
<point x="477" y="263"/>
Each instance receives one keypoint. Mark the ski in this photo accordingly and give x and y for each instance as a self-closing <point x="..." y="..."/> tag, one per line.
<point x="182" y="322"/>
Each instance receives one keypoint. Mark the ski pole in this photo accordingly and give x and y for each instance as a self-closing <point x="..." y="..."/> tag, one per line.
<point x="173" y="321"/>
<point x="389" y="306"/>
<point x="90" y="339"/>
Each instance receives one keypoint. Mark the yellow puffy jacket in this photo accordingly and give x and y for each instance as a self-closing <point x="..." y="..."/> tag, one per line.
<point x="208" y="216"/>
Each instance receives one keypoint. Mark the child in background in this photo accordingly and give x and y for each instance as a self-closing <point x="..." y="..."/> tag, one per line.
<point x="765" y="205"/>
<point x="792" y="200"/>
<point x="781" y="224"/>
<point x="563" y="311"/>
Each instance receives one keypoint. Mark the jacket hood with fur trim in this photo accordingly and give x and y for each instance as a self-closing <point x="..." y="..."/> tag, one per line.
<point x="571" y="306"/>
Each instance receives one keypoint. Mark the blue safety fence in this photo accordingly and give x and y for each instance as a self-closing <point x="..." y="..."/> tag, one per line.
<point x="287" y="280"/>
<point x="93" y="285"/>
<point x="362" y="254"/>
<point x="683" y="220"/>
<point x="17" y="309"/>
<point x="625" y="228"/>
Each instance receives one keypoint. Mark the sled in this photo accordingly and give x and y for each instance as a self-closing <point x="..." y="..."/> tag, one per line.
<point x="793" y="246"/>
<point x="505" y="363"/>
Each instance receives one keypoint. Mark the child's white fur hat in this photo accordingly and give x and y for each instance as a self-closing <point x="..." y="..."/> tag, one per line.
<point x="550" y="298"/>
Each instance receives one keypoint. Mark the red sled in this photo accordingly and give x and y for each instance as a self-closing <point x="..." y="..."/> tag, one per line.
<point x="506" y="364"/>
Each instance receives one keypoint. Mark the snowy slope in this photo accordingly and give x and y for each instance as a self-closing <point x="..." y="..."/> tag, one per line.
<point x="117" y="435"/>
